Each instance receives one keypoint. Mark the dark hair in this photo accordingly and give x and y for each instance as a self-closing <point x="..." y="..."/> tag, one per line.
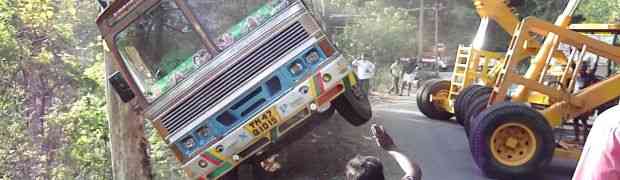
<point x="364" y="168"/>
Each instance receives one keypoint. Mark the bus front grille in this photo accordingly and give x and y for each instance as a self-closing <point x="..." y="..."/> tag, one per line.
<point x="231" y="79"/>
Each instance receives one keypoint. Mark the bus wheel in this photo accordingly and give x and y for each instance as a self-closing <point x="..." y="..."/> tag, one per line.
<point x="354" y="106"/>
<point x="431" y="97"/>
<point x="511" y="140"/>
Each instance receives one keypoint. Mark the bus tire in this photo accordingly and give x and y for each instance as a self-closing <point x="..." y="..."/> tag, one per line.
<point x="354" y="106"/>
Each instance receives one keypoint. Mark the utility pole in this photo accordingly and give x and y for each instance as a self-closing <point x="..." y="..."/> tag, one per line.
<point x="420" y="29"/>
<point x="323" y="8"/>
<point x="436" y="45"/>
<point x="128" y="144"/>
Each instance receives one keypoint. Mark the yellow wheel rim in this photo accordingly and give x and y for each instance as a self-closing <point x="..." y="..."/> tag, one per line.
<point x="440" y="98"/>
<point x="513" y="144"/>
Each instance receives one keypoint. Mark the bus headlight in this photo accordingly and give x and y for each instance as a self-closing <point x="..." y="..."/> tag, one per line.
<point x="327" y="77"/>
<point x="189" y="142"/>
<point x="304" y="90"/>
<point x="296" y="68"/>
<point x="203" y="131"/>
<point x="203" y="163"/>
<point x="313" y="57"/>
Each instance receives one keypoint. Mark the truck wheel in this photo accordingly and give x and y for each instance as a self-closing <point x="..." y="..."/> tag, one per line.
<point x="423" y="85"/>
<point x="478" y="105"/>
<point x="430" y="98"/>
<point x="354" y="106"/>
<point x="459" y="110"/>
<point x="467" y="101"/>
<point x="511" y="140"/>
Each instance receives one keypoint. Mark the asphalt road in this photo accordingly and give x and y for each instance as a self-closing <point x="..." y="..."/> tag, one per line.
<point x="440" y="147"/>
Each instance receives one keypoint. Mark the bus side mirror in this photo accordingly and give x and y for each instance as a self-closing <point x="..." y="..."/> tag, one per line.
<point x="121" y="87"/>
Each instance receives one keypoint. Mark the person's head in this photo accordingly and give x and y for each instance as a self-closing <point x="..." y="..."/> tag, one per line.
<point x="584" y="67"/>
<point x="364" y="168"/>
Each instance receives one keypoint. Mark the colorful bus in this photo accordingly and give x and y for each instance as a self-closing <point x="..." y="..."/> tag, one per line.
<point x="222" y="81"/>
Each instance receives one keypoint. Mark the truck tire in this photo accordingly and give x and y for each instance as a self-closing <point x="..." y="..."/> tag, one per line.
<point x="478" y="105"/>
<point x="511" y="140"/>
<point x="430" y="107"/>
<point x="468" y="101"/>
<point x="459" y="111"/>
<point x="424" y="85"/>
<point x="354" y="106"/>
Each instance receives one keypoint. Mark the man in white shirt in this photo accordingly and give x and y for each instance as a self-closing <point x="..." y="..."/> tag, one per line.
<point x="600" y="157"/>
<point x="364" y="70"/>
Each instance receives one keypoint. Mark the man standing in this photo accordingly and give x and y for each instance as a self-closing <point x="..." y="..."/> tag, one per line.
<point x="364" y="70"/>
<point x="396" y="72"/>
<point x="409" y="75"/>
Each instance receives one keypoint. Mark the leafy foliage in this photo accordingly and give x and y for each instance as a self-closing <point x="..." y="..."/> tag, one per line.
<point x="380" y="31"/>
<point x="600" y="11"/>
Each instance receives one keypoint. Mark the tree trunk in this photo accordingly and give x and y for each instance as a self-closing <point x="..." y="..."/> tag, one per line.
<point x="38" y="101"/>
<point x="129" y="146"/>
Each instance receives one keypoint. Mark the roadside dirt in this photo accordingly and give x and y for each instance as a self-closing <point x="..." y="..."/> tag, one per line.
<point x="322" y="153"/>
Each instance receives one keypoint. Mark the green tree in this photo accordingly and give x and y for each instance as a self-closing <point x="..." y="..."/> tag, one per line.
<point x="600" y="11"/>
<point x="44" y="52"/>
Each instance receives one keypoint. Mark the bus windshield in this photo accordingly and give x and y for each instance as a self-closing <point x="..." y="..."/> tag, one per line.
<point x="160" y="48"/>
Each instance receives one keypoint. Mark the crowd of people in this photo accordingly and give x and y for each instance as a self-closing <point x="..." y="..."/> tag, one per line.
<point x="403" y="75"/>
<point x="402" y="72"/>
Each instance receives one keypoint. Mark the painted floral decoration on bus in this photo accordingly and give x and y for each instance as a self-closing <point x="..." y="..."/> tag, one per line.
<point x="235" y="33"/>
<point x="251" y="22"/>
<point x="180" y="72"/>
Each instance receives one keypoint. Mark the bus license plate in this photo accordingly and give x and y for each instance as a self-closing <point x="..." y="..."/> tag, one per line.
<point x="262" y="123"/>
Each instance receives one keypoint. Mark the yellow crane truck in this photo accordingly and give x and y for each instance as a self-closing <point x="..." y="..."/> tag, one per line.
<point x="516" y="134"/>
<point x="475" y="69"/>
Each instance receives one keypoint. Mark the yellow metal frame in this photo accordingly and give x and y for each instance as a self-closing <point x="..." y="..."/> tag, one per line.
<point x="473" y="65"/>
<point x="567" y="105"/>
